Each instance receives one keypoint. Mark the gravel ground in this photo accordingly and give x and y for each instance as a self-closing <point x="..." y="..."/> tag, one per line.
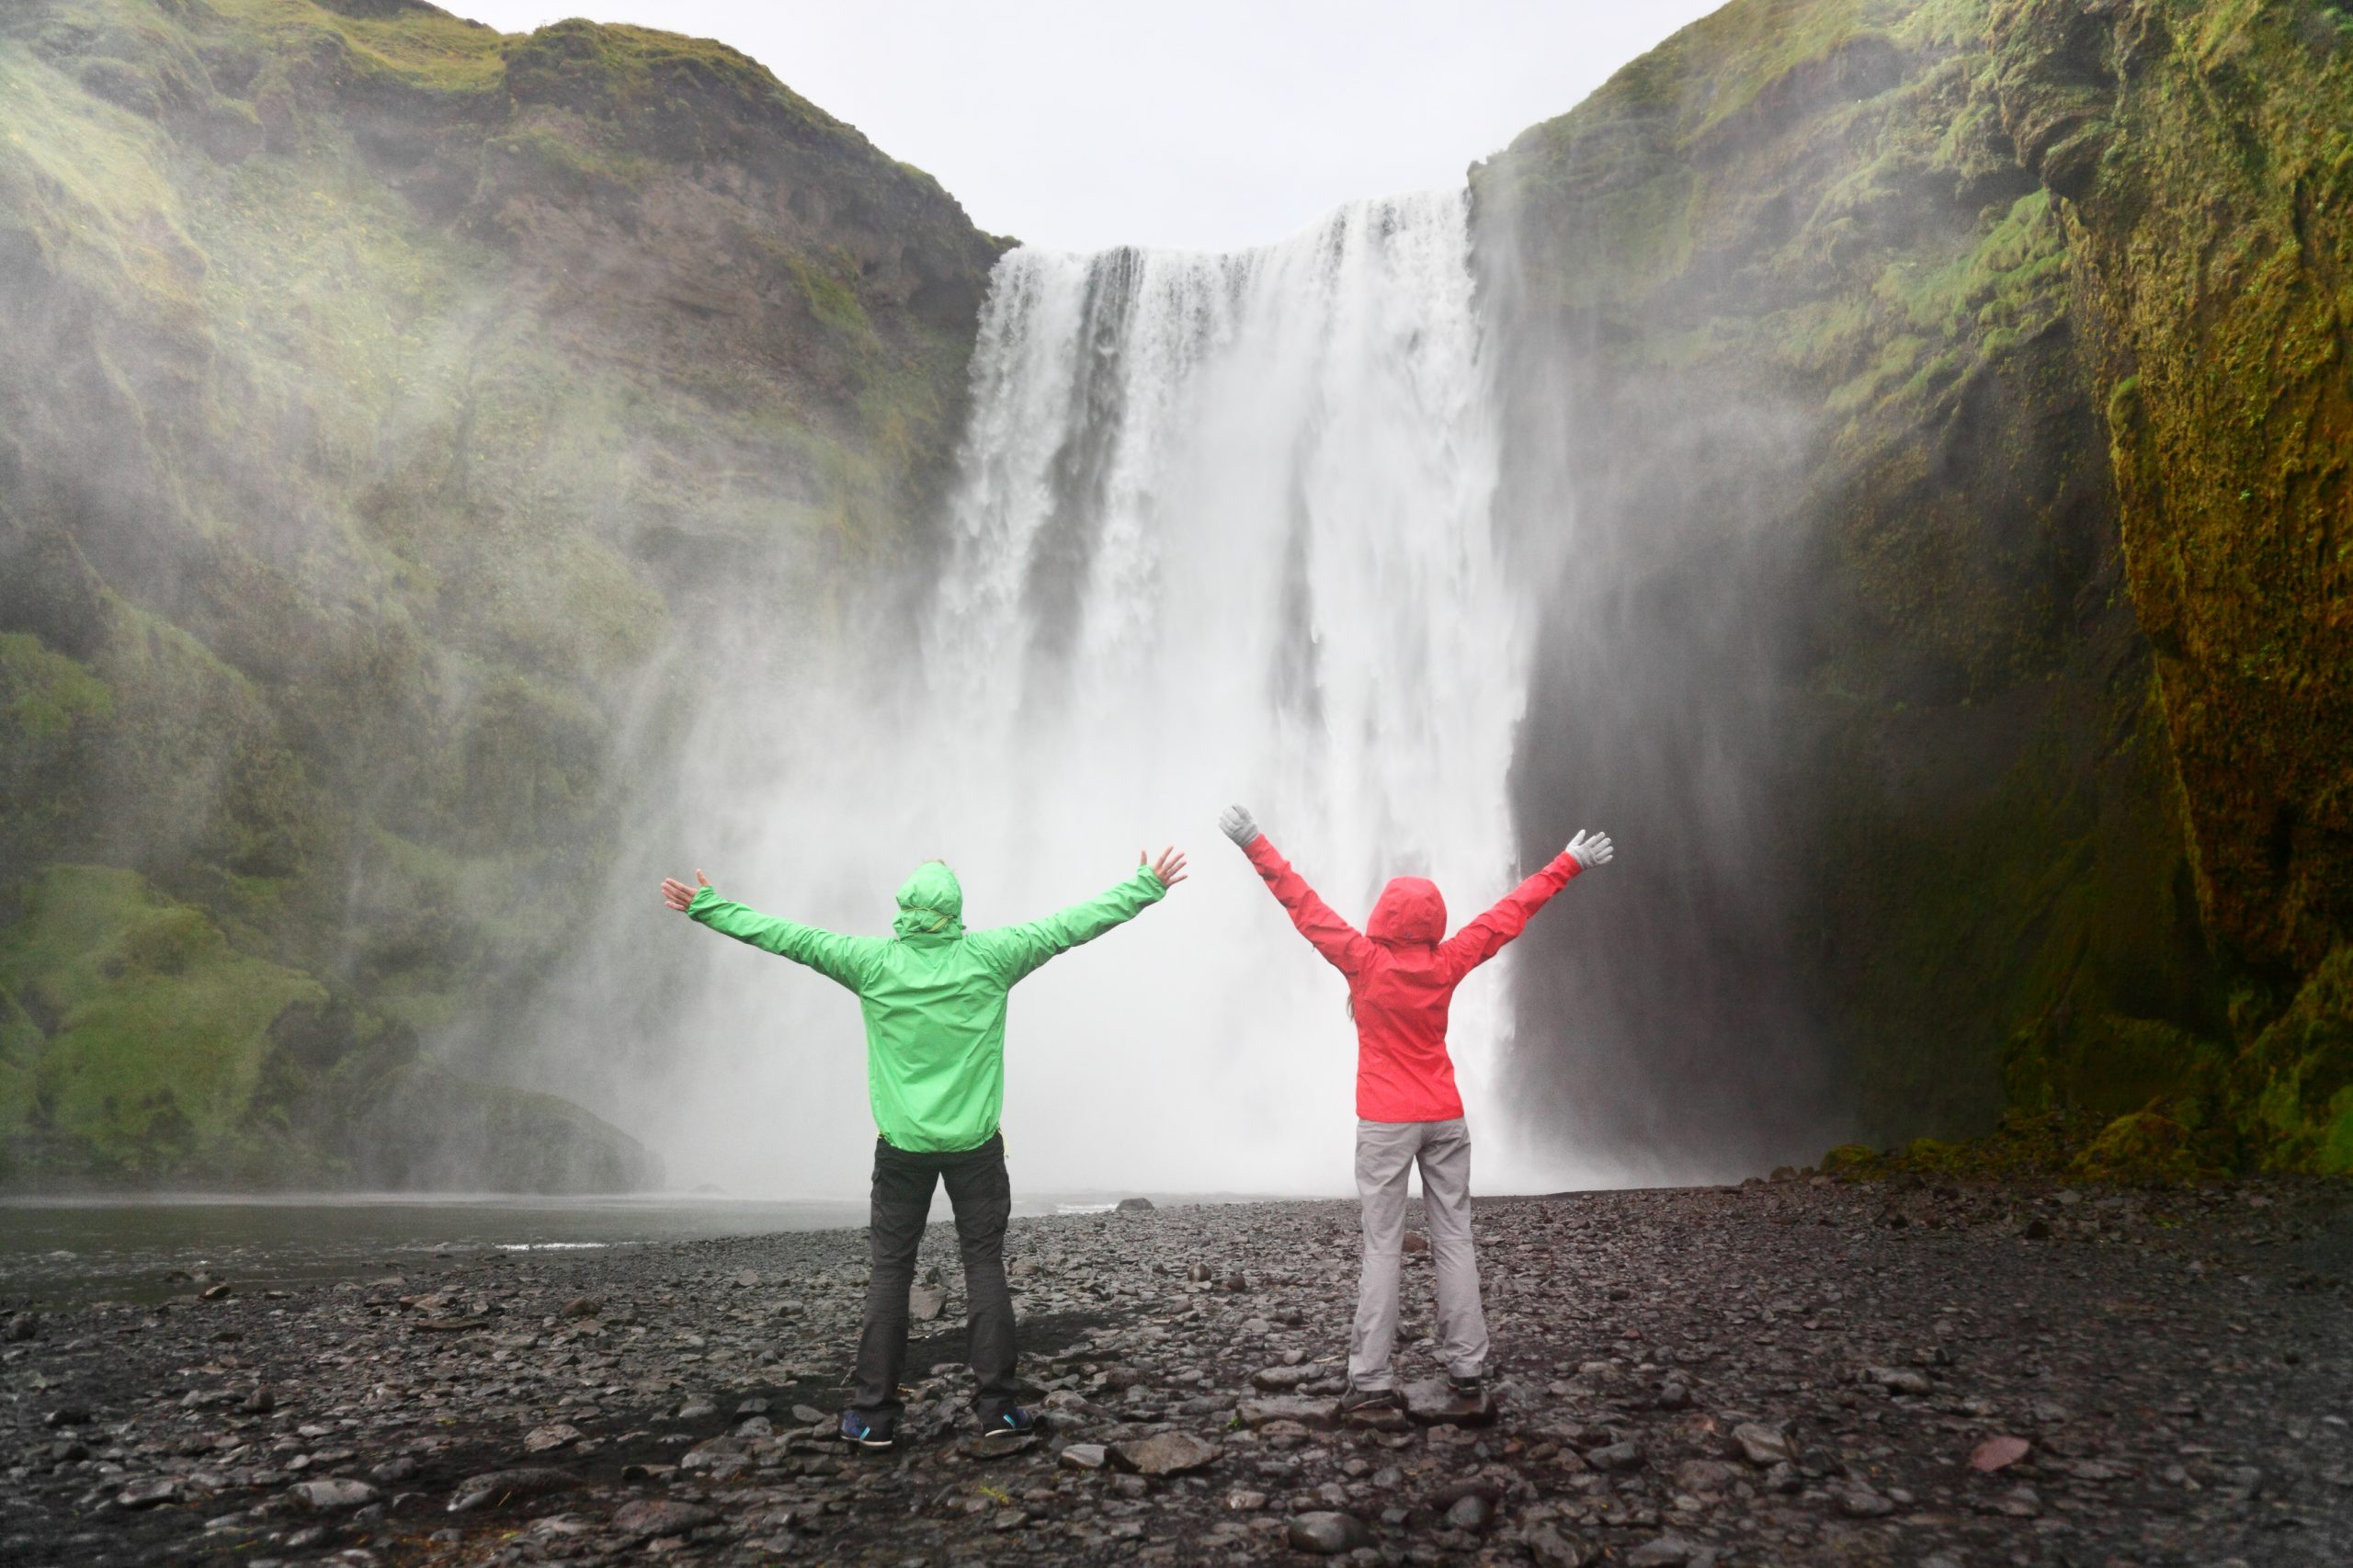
<point x="1787" y="1372"/>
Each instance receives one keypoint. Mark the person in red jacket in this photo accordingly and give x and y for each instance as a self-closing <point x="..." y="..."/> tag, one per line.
<point x="1401" y="970"/>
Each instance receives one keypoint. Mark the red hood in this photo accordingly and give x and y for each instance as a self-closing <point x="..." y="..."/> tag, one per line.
<point x="1410" y="911"/>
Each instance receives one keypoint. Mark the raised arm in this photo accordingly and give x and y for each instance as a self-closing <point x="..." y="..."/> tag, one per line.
<point x="846" y="960"/>
<point x="1485" y="937"/>
<point x="1348" y="948"/>
<point x="1015" y="950"/>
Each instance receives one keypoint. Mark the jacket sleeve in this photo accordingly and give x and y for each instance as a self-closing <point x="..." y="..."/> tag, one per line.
<point x="846" y="960"/>
<point x="1013" y="951"/>
<point x="1348" y="948"/>
<point x="1485" y="937"/>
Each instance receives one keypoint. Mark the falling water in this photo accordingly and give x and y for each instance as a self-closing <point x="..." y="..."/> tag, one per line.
<point x="1221" y="532"/>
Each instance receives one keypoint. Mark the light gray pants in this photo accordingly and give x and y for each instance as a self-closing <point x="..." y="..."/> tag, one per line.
<point x="1386" y="1154"/>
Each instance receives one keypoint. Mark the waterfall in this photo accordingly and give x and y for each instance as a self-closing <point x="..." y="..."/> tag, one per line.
<point x="1221" y="530"/>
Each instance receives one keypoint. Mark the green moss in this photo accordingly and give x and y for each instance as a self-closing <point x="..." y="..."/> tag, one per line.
<point x="44" y="694"/>
<point x="158" y="1034"/>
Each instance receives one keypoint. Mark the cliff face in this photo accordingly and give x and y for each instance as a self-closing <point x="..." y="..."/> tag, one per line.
<point x="2204" y="159"/>
<point x="2017" y="782"/>
<point x="384" y="402"/>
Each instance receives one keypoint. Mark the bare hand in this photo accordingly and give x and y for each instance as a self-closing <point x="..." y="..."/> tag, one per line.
<point x="677" y="895"/>
<point x="1169" y="868"/>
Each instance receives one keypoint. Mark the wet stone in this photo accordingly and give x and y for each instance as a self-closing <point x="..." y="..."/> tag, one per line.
<point x="649" y="1517"/>
<point x="1761" y="1445"/>
<point x="1432" y="1401"/>
<point x="1084" y="1456"/>
<point x="331" y="1494"/>
<point x="1326" y="1533"/>
<point x="1169" y="1453"/>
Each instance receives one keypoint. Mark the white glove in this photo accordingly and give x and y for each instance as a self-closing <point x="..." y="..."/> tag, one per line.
<point x="1590" y="849"/>
<point x="1236" y="823"/>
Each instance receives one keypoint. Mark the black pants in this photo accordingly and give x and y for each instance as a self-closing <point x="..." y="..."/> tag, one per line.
<point x="983" y="1197"/>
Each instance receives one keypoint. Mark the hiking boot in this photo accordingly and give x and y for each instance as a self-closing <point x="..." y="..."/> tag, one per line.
<point x="875" y="1436"/>
<point x="1355" y="1401"/>
<point x="1013" y="1418"/>
<point x="1469" y="1389"/>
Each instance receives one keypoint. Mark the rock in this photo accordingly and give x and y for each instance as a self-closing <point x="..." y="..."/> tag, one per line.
<point x="66" y="1416"/>
<point x="261" y="1402"/>
<point x="2037" y="1230"/>
<point x="1472" y="1511"/>
<point x="1414" y="1245"/>
<point x="1084" y="1456"/>
<point x="1281" y="1380"/>
<point x="809" y="1416"/>
<point x="1328" y="1534"/>
<point x="649" y="1517"/>
<point x="1433" y="1400"/>
<point x="1615" y="1456"/>
<point x="1169" y="1453"/>
<point x="332" y="1493"/>
<point x="554" y="1435"/>
<point x="1665" y="1551"/>
<point x="581" y="1307"/>
<point x="1761" y="1445"/>
<point x="695" y="1409"/>
<point x="1860" y="1503"/>
<point x="1135" y="1206"/>
<point x="712" y="1451"/>
<point x="924" y="1302"/>
<point x="23" y="1326"/>
<point x="147" y="1494"/>
<point x="1306" y="1412"/>
<point x="1998" y="1453"/>
<point x="747" y="1278"/>
<point x="1550" y="1548"/>
<point x="1244" y="1502"/>
<point x="1898" y="1380"/>
<point x="997" y="1445"/>
<point x="215" y="1293"/>
<point x="498" y="1487"/>
<point x="1704" y="1475"/>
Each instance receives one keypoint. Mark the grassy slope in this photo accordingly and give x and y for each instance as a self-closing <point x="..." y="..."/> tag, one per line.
<point x="378" y="395"/>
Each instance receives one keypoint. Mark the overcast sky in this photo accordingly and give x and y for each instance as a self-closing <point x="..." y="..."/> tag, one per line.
<point x="1211" y="123"/>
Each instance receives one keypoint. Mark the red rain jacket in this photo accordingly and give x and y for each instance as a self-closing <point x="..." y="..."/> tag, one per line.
<point x="1402" y="976"/>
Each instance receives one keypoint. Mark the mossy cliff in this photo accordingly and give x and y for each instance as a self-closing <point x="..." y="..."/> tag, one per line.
<point x="1830" y="321"/>
<point x="382" y="403"/>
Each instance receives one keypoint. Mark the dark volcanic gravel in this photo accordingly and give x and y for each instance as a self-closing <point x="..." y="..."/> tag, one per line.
<point x="1781" y="1373"/>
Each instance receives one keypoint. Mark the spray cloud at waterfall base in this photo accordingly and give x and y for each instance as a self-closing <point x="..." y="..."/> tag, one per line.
<point x="1221" y="530"/>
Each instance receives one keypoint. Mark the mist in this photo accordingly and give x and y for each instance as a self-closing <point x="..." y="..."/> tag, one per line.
<point x="1221" y="529"/>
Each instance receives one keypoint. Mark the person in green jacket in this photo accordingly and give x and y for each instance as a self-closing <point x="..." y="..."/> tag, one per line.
<point x="934" y="997"/>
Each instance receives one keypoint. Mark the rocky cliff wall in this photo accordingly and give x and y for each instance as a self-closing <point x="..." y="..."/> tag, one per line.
<point x="395" y="417"/>
<point x="1833" y="323"/>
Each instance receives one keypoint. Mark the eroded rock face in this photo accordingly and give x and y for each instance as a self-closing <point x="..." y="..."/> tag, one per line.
<point x="621" y="329"/>
<point x="2211" y="242"/>
<point x="1962" y="396"/>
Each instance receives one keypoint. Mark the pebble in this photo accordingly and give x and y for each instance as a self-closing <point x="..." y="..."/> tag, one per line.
<point x="1762" y="1445"/>
<point x="1168" y="1453"/>
<point x="1326" y="1532"/>
<point x="333" y="1493"/>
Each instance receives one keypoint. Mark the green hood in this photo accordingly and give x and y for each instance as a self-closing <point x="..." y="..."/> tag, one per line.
<point x="931" y="903"/>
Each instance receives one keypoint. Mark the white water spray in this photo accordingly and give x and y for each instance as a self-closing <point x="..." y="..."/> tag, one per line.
<point x="1221" y="531"/>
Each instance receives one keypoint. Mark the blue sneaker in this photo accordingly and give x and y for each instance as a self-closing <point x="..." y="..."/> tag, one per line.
<point x="876" y="1436"/>
<point x="1013" y="1419"/>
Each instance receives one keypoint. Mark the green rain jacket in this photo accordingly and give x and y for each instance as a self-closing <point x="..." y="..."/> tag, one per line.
<point x="934" y="996"/>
